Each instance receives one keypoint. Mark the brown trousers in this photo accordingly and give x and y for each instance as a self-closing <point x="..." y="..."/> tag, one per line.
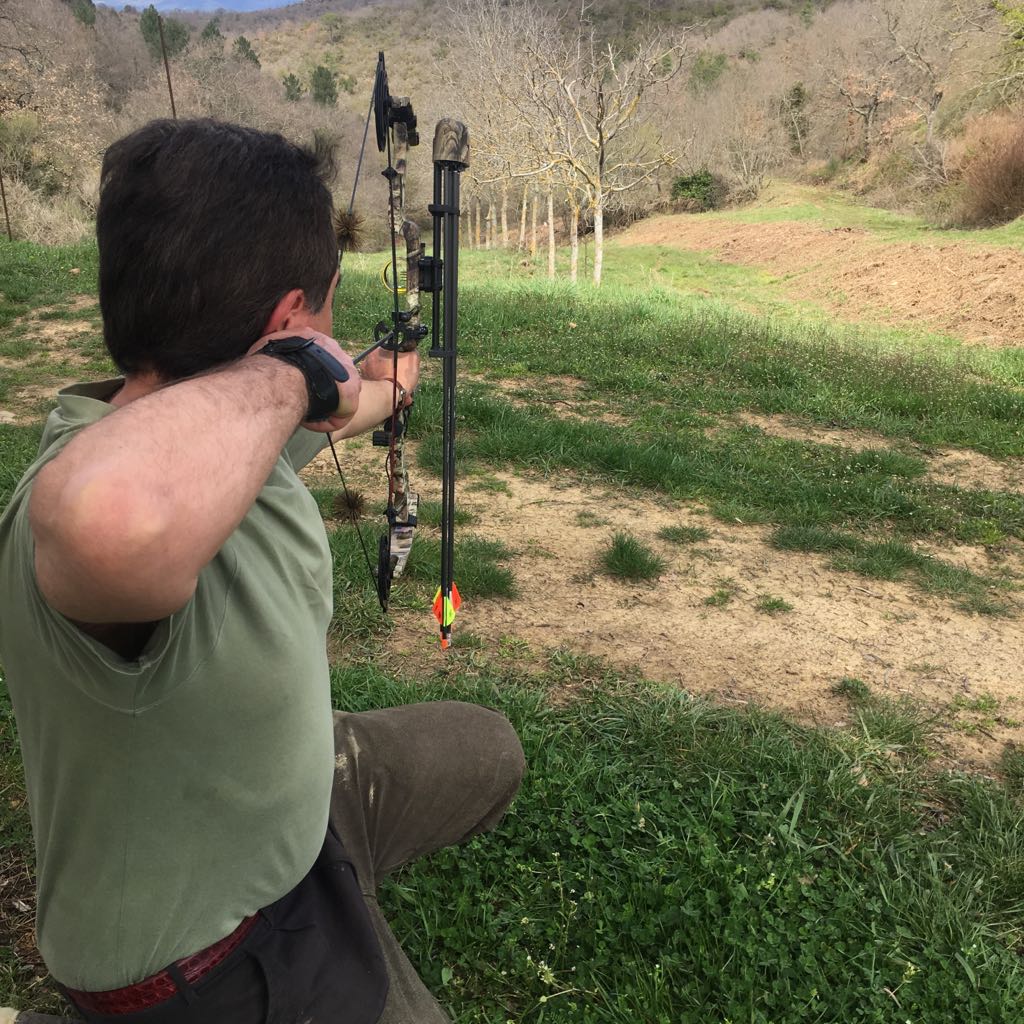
<point x="408" y="781"/>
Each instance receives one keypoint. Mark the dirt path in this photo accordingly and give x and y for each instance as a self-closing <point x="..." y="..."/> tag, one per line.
<point x="902" y="643"/>
<point x="974" y="293"/>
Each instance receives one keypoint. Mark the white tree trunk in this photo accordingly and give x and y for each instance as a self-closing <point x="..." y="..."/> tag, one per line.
<point x="551" y="234"/>
<point x="504" y="215"/>
<point x="598" y="237"/>
<point x="476" y="214"/>
<point x="574" y="243"/>
<point x="533" y="228"/>
<point x="488" y="233"/>
<point x="522" y="219"/>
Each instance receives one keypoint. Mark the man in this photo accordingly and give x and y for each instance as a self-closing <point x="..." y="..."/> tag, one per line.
<point x="208" y="836"/>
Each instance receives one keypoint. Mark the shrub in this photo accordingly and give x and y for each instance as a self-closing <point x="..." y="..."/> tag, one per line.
<point x="176" y="33"/>
<point x="991" y="172"/>
<point x="84" y="11"/>
<point x="244" y="51"/>
<point x="43" y="219"/>
<point x="324" y="86"/>
<point x="700" y="191"/>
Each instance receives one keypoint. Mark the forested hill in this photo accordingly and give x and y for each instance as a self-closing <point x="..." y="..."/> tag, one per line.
<point x="621" y="14"/>
<point x="912" y="102"/>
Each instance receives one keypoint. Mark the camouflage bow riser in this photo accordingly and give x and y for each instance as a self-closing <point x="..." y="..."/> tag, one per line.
<point x="404" y="502"/>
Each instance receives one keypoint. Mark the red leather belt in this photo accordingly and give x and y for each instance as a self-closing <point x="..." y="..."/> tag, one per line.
<point x="160" y="987"/>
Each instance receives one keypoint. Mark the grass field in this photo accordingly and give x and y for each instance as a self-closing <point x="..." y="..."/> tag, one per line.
<point x="670" y="860"/>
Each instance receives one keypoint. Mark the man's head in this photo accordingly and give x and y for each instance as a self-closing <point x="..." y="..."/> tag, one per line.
<point x="203" y="227"/>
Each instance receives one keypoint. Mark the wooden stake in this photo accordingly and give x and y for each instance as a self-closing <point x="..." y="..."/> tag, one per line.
<point x="167" y="66"/>
<point x="7" y="216"/>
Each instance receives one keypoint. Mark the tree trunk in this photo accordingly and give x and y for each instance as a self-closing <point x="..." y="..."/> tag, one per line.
<point x="574" y="243"/>
<point x="488" y="224"/>
<point x="504" y="215"/>
<point x="476" y="214"/>
<point x="551" y="234"/>
<point x="522" y="219"/>
<point x="533" y="227"/>
<point x="598" y="237"/>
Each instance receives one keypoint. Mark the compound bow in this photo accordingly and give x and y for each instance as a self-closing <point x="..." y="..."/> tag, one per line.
<point x="437" y="275"/>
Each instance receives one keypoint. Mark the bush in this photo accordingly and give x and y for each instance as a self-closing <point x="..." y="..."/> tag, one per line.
<point x="45" y="220"/>
<point x="324" y="86"/>
<point x="991" y="172"/>
<point x="701" y="191"/>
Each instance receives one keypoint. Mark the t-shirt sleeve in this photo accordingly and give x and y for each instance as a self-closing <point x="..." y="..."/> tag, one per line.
<point x="303" y="446"/>
<point x="87" y="664"/>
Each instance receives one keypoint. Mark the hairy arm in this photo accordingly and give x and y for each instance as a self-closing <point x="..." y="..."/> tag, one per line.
<point x="129" y="513"/>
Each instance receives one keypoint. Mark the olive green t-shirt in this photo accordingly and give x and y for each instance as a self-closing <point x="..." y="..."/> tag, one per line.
<point x="174" y="795"/>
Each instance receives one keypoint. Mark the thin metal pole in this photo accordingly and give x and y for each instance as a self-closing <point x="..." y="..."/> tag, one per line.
<point x="7" y="216"/>
<point x="167" y="66"/>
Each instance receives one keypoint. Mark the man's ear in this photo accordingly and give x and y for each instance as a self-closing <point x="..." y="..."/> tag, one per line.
<point x="286" y="311"/>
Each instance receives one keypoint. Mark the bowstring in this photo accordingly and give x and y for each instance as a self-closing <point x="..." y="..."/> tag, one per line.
<point x="393" y="451"/>
<point x="330" y="440"/>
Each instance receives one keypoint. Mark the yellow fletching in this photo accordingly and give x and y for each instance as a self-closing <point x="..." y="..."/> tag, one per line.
<point x="446" y="608"/>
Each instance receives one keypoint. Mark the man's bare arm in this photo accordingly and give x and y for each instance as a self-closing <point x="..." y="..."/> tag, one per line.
<point x="128" y="514"/>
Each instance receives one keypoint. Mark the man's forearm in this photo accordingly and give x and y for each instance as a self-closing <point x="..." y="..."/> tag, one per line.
<point x="376" y="403"/>
<point x="128" y="514"/>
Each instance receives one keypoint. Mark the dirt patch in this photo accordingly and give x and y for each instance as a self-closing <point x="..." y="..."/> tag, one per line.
<point x="58" y="336"/>
<point x="901" y="642"/>
<point x="34" y="401"/>
<point x="953" y="467"/>
<point x="974" y="293"/>
<point x="562" y="397"/>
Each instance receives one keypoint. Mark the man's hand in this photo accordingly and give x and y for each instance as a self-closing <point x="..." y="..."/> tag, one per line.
<point x="380" y="365"/>
<point x="348" y="391"/>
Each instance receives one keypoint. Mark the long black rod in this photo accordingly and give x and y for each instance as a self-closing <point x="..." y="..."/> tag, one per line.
<point x="451" y="292"/>
<point x="167" y="66"/>
<point x="438" y="252"/>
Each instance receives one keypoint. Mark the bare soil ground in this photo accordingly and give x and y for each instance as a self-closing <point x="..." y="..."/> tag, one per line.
<point x="974" y="293"/>
<point x="902" y="643"/>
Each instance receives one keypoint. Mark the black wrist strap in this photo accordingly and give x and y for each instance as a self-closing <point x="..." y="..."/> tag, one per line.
<point x="322" y="372"/>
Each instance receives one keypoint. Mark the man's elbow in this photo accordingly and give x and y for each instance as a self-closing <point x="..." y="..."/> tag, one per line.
<point x="102" y="552"/>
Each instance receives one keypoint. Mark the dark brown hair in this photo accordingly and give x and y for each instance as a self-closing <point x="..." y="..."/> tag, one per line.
<point x="202" y="228"/>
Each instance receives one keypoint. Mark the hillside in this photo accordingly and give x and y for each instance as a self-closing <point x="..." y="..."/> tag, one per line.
<point x="860" y="263"/>
<point x="896" y="99"/>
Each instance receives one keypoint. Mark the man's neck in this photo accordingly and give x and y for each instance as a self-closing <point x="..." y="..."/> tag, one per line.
<point x="136" y="385"/>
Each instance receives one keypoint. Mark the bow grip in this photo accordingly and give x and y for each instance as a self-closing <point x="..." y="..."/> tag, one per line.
<point x="451" y="143"/>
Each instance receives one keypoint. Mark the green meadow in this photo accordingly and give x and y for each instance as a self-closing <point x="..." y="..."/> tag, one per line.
<point x="668" y="861"/>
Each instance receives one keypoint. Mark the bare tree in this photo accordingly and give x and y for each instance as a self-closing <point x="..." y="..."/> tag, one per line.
<point x="588" y="97"/>
<point x="583" y="99"/>
<point x="17" y="29"/>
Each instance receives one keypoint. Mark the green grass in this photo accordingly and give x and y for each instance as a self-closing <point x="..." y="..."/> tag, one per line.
<point x="1012" y="763"/>
<point x="739" y="868"/>
<point x="32" y="276"/>
<point x="895" y="560"/>
<point x="727" y="590"/>
<point x="770" y="605"/>
<point x="830" y="209"/>
<point x="887" y="724"/>
<point x="683" y="535"/>
<point x="671" y="862"/>
<point x="628" y="558"/>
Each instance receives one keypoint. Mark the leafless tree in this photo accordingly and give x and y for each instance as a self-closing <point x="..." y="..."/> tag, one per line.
<point x="582" y="99"/>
